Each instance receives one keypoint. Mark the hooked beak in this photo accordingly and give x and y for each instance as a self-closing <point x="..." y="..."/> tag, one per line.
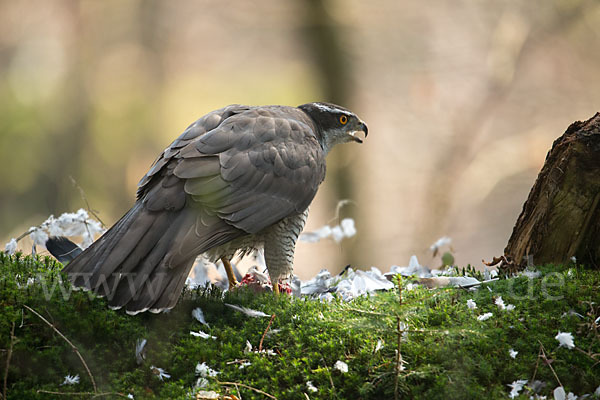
<point x="361" y="128"/>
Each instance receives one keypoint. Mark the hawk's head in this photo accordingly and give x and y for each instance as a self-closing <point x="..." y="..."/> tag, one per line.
<point x="335" y="124"/>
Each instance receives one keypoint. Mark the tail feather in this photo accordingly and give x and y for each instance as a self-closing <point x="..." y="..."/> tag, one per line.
<point x="141" y="245"/>
<point x="170" y="295"/>
<point x="142" y="262"/>
<point x="138" y="269"/>
<point x="162" y="289"/>
<point x="128" y="234"/>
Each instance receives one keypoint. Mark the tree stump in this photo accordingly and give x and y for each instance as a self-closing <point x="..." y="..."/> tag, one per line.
<point x="561" y="217"/>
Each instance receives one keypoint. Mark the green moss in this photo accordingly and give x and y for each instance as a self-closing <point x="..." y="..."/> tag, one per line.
<point x="448" y="352"/>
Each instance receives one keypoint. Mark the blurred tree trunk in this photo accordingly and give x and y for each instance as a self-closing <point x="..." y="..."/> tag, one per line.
<point x="333" y="67"/>
<point x="561" y="217"/>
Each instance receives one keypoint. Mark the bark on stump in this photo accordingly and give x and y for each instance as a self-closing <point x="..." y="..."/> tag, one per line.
<point x="561" y="217"/>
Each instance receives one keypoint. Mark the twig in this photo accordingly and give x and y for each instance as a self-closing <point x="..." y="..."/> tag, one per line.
<point x="73" y="347"/>
<point x="8" y="357"/>
<point x="548" y="364"/>
<point x="238" y="392"/>
<point x="537" y="363"/>
<point x="247" y="387"/>
<point x="84" y="198"/>
<point x="589" y="354"/>
<point x="342" y="203"/>
<point x="265" y="333"/>
<point x="94" y="395"/>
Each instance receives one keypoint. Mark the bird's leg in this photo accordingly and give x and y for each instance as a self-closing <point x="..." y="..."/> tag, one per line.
<point x="280" y="245"/>
<point x="230" y="275"/>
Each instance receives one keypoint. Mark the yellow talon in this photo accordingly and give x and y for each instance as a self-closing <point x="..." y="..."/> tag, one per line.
<point x="230" y="275"/>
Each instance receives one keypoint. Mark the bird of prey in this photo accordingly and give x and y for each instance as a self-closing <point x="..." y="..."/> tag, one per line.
<point x="238" y="179"/>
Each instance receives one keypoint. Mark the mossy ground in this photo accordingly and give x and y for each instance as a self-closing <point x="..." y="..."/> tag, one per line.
<point x="448" y="353"/>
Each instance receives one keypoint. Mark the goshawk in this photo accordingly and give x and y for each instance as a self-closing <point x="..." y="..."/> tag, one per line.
<point x="238" y="179"/>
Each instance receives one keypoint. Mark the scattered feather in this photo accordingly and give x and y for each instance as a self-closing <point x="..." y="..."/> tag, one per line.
<point x="205" y="371"/>
<point x="70" y="380"/>
<point x="130" y="396"/>
<point x="559" y="393"/>
<point x="502" y="306"/>
<point x="203" y="335"/>
<point x="160" y="373"/>
<point x="199" y="276"/>
<point x="471" y="304"/>
<point x="489" y="275"/>
<point x="140" y="351"/>
<point x="379" y="345"/>
<point x="248" y="348"/>
<point x="443" y="241"/>
<point x="513" y="353"/>
<point x="360" y="283"/>
<point x="248" y="311"/>
<point x="319" y="284"/>
<point x="244" y="364"/>
<point x="565" y="339"/>
<point x="11" y="247"/>
<point x="500" y="303"/>
<point x="348" y="227"/>
<point x="311" y="387"/>
<point x="485" y="316"/>
<point x="316" y="236"/>
<point x="38" y="236"/>
<point x="199" y="315"/>
<point x="201" y="382"/>
<point x="345" y="229"/>
<point x="341" y="366"/>
<point x="204" y="395"/>
<point x="337" y="234"/>
<point x="516" y="387"/>
<point x="413" y="268"/>
<point x="531" y="274"/>
<point x="272" y="332"/>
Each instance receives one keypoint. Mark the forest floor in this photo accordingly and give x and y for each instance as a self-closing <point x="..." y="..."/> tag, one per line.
<point x="533" y="335"/>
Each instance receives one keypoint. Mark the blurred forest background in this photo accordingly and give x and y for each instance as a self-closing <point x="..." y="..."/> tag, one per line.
<point x="463" y="100"/>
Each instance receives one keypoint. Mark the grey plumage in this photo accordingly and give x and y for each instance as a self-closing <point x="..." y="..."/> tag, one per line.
<point x="237" y="179"/>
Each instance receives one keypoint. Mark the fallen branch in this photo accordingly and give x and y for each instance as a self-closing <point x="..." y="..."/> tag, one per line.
<point x="247" y="387"/>
<point x="73" y="347"/>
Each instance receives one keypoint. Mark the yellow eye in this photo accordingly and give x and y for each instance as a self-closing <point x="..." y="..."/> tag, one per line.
<point x="343" y="119"/>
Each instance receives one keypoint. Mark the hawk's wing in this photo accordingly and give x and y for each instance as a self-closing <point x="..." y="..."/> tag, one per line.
<point x="248" y="167"/>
